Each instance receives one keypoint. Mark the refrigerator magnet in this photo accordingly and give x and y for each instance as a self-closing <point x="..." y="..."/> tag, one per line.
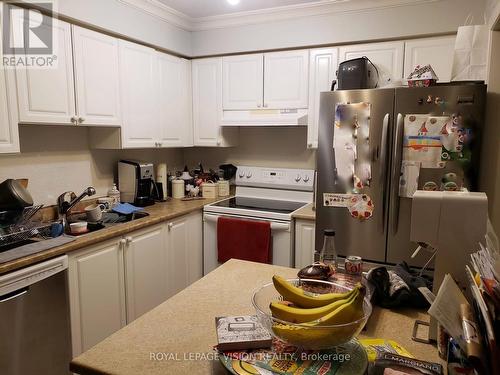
<point x="361" y="207"/>
<point x="336" y="200"/>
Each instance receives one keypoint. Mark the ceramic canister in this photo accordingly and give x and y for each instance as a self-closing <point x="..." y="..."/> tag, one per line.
<point x="223" y="188"/>
<point x="178" y="189"/>
<point x="209" y="189"/>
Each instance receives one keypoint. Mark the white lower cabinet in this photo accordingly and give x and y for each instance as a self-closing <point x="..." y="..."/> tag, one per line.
<point x="304" y="242"/>
<point x="185" y="252"/>
<point x="145" y="270"/>
<point x="115" y="282"/>
<point x="97" y="294"/>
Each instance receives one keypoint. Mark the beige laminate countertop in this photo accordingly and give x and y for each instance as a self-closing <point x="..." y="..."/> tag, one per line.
<point x="157" y="213"/>
<point x="184" y="326"/>
<point x="305" y="213"/>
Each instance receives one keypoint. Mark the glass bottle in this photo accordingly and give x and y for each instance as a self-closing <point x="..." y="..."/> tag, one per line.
<point x="328" y="254"/>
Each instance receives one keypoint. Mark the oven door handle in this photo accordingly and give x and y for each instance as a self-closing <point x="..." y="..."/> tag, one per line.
<point x="274" y="226"/>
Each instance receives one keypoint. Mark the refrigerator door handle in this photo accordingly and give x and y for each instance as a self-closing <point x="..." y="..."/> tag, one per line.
<point x="383" y="168"/>
<point x="396" y="172"/>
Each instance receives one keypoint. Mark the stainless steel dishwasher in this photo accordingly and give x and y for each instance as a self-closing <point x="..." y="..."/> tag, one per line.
<point x="34" y="320"/>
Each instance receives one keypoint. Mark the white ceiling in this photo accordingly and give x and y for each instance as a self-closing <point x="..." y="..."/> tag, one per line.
<point x="207" y="8"/>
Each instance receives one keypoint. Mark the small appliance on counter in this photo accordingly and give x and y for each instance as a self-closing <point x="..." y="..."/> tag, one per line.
<point x="136" y="182"/>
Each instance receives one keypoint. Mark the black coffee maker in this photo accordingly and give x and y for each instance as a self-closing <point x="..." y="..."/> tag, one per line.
<point x="136" y="182"/>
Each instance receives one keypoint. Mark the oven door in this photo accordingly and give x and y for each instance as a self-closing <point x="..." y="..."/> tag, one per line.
<point x="282" y="241"/>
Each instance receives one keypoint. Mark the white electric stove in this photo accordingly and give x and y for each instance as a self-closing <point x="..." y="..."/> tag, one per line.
<point x="263" y="194"/>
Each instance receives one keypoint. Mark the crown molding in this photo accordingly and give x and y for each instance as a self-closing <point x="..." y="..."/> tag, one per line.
<point x="159" y="10"/>
<point x="322" y="7"/>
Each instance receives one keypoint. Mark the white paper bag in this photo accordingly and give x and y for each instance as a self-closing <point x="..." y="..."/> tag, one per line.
<point x="471" y="53"/>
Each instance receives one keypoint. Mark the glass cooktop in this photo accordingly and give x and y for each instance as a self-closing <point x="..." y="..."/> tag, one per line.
<point x="268" y="205"/>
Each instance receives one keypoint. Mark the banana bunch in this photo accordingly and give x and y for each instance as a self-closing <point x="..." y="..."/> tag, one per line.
<point x="325" y="320"/>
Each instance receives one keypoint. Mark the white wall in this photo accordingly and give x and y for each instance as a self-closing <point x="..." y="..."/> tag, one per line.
<point x="273" y="147"/>
<point x="392" y="22"/>
<point x="57" y="159"/>
<point x="123" y="19"/>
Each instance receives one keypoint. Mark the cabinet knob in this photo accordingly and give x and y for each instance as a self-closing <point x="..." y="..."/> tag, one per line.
<point x="81" y="119"/>
<point x="170" y="226"/>
<point x="123" y="242"/>
<point x="309" y="145"/>
<point x="156" y="144"/>
<point x="160" y="144"/>
<point x="218" y="142"/>
<point x="74" y="120"/>
<point x="128" y="239"/>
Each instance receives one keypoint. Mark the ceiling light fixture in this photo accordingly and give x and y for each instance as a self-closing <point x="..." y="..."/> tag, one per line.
<point x="233" y="2"/>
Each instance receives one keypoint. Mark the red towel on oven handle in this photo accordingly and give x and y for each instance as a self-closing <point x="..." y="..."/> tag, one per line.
<point x="243" y="239"/>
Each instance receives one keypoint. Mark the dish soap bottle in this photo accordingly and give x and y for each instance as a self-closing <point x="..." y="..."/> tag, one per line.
<point x="115" y="194"/>
<point x="328" y="254"/>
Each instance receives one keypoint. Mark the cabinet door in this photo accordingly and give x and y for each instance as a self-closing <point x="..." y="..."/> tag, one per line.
<point x="97" y="77"/>
<point x="286" y="79"/>
<point x="97" y="294"/>
<point x="243" y="81"/>
<point x="322" y="66"/>
<point x="175" y="104"/>
<point x="387" y="57"/>
<point x="139" y="87"/>
<point x="9" y="133"/>
<point x="48" y="95"/>
<point x="145" y="271"/>
<point x="184" y="244"/>
<point x="304" y="243"/>
<point x="207" y="101"/>
<point x="438" y="52"/>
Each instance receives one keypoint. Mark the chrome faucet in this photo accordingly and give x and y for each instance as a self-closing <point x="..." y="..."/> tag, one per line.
<point x="64" y="206"/>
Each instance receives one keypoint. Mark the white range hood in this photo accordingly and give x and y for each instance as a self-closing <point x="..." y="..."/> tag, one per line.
<point x="265" y="117"/>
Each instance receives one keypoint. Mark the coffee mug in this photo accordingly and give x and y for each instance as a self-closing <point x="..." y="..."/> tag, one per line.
<point x="108" y="202"/>
<point x="94" y="212"/>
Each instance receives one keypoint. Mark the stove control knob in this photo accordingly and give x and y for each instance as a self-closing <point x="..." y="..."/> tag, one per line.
<point x="241" y="174"/>
<point x="306" y="178"/>
<point x="298" y="178"/>
<point x="249" y="174"/>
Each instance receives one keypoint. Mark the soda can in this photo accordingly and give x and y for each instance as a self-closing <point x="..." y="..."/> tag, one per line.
<point x="353" y="265"/>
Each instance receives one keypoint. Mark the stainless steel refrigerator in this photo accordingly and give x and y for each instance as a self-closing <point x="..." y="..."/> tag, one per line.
<point x="384" y="237"/>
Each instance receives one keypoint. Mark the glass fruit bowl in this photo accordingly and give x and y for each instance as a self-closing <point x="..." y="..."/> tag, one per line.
<point x="307" y="335"/>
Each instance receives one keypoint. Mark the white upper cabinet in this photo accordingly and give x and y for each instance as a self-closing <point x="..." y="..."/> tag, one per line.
<point x="286" y="77"/>
<point x="139" y="88"/>
<point x="243" y="81"/>
<point x="322" y="68"/>
<point x="97" y="77"/>
<point x="438" y="52"/>
<point x="387" y="57"/>
<point x="207" y="105"/>
<point x="9" y="131"/>
<point x="48" y="95"/>
<point x="175" y="101"/>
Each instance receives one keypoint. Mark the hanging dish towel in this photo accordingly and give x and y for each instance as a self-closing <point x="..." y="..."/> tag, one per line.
<point x="243" y="239"/>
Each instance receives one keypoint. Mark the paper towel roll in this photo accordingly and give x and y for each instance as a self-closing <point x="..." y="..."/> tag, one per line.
<point x="161" y="176"/>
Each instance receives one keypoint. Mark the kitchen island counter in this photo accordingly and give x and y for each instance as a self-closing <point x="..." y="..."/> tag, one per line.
<point x="178" y="336"/>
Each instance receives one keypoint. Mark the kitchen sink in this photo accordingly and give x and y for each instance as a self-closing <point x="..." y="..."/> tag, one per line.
<point x="109" y="219"/>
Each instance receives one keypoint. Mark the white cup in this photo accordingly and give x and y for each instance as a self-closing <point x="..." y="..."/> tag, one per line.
<point x="94" y="212"/>
<point x="108" y="202"/>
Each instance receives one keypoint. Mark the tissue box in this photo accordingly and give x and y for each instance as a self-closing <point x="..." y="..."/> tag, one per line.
<point x="422" y="77"/>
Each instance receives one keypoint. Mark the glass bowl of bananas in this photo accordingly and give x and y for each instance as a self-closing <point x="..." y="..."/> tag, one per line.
<point x="312" y="314"/>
